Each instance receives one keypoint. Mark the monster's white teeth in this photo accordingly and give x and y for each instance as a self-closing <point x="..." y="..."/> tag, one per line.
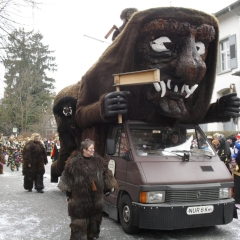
<point x="183" y="87"/>
<point x="169" y="83"/>
<point x="157" y="87"/>
<point x="163" y="87"/>
<point x="187" y="90"/>
<point x="175" y="88"/>
<point x="190" y="91"/>
<point x="160" y="87"/>
<point x="193" y="88"/>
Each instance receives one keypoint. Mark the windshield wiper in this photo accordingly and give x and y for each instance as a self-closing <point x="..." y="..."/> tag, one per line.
<point x="202" y="152"/>
<point x="186" y="154"/>
<point x="182" y="151"/>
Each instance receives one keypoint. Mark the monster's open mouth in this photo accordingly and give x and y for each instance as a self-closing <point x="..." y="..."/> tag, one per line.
<point x="169" y="97"/>
<point x="184" y="90"/>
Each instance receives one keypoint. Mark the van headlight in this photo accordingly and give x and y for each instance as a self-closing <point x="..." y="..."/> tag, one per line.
<point x="152" y="197"/>
<point x="224" y="193"/>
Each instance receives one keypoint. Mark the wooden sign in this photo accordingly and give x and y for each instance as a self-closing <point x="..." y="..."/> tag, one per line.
<point x="135" y="78"/>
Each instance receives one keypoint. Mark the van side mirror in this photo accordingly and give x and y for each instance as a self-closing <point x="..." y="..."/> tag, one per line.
<point x="111" y="148"/>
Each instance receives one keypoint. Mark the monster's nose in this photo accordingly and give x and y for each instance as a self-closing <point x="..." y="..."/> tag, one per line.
<point x="190" y="64"/>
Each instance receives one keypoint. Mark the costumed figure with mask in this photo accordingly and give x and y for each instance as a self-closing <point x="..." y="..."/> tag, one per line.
<point x="86" y="178"/>
<point x="34" y="158"/>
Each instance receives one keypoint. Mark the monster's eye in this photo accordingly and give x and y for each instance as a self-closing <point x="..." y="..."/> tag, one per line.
<point x="160" y="44"/>
<point x="200" y="48"/>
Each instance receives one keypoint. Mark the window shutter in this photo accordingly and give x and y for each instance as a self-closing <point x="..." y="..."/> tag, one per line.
<point x="233" y="51"/>
<point x="219" y="60"/>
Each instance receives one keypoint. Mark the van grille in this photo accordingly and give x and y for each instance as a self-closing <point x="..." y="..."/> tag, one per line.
<point x="173" y="196"/>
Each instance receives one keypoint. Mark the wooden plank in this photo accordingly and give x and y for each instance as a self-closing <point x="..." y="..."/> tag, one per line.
<point x="137" y="78"/>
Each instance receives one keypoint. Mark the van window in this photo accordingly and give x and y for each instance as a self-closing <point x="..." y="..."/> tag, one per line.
<point x="121" y="144"/>
<point x="163" y="141"/>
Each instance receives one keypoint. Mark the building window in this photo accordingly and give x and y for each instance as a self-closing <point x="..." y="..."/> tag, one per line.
<point x="228" y="54"/>
<point x="225" y="55"/>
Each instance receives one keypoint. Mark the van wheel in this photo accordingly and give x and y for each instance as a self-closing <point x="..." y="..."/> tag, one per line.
<point x="125" y="215"/>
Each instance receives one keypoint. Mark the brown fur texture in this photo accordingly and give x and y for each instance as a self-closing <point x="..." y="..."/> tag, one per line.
<point x="85" y="229"/>
<point x="68" y="131"/>
<point x="34" y="154"/>
<point x="86" y="204"/>
<point x="79" y="174"/>
<point x="121" y="57"/>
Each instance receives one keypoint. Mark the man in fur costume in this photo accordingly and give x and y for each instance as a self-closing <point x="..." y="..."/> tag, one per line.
<point x="34" y="158"/>
<point x="86" y="178"/>
<point x="69" y="133"/>
<point x="182" y="44"/>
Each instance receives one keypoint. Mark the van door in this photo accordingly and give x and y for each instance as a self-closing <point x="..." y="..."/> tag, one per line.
<point x="121" y="162"/>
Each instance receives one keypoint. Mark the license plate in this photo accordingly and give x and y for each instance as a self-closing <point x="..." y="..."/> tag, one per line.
<point x="199" y="210"/>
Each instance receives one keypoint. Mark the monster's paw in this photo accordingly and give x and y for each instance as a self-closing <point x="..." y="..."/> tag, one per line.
<point x="116" y="103"/>
<point x="229" y="105"/>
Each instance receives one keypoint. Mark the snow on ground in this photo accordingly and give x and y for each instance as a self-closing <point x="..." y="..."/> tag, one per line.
<point x="34" y="216"/>
<point x="31" y="215"/>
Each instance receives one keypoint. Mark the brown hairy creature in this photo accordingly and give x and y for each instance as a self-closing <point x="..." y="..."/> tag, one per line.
<point x="182" y="44"/>
<point x="86" y="202"/>
<point x="34" y="159"/>
<point x="68" y="131"/>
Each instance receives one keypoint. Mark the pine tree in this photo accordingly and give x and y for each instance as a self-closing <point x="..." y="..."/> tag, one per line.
<point x="28" y="89"/>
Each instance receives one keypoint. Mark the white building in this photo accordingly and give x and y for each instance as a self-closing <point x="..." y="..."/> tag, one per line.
<point x="228" y="67"/>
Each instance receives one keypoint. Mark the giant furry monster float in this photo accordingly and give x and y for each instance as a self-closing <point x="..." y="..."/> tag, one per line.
<point x="182" y="43"/>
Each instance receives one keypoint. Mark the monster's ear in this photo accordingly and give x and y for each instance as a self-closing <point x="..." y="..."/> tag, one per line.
<point x="58" y="107"/>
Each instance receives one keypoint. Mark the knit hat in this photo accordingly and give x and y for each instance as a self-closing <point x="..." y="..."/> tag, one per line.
<point x="238" y="136"/>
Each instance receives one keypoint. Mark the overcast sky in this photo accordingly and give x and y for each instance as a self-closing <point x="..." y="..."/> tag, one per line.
<point x="65" y="26"/>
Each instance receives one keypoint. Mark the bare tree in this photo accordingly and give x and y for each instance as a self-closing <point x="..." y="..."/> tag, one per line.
<point x="11" y="12"/>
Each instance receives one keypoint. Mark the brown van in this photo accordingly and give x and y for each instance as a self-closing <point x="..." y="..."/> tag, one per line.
<point x="169" y="178"/>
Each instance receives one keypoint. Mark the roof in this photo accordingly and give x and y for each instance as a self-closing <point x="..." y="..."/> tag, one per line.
<point x="227" y="9"/>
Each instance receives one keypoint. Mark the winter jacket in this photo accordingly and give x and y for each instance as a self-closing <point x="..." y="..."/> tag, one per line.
<point x="236" y="154"/>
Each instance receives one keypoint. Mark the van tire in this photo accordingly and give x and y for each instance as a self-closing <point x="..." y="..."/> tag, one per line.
<point x="125" y="215"/>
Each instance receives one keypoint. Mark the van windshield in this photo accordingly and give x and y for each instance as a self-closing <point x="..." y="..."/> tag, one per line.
<point x="165" y="141"/>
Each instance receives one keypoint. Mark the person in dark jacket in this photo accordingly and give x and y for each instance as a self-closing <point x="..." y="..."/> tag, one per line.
<point x="34" y="158"/>
<point x="224" y="151"/>
<point x="86" y="177"/>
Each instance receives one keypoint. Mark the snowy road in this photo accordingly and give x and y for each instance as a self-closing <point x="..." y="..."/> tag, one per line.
<point x="33" y="216"/>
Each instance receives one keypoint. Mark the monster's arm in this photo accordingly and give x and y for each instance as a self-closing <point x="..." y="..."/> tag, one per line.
<point x="104" y="110"/>
<point x="224" y="109"/>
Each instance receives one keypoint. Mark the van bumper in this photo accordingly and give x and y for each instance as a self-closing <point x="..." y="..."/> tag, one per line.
<point x="174" y="216"/>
